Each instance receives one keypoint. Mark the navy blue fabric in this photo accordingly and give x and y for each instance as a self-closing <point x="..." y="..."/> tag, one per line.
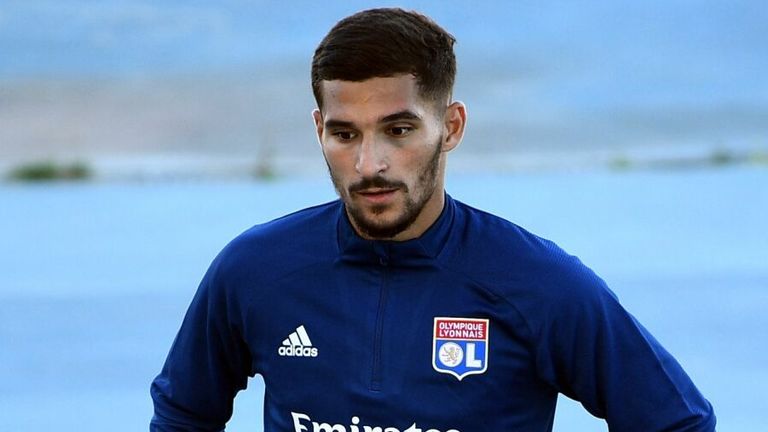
<point x="369" y="308"/>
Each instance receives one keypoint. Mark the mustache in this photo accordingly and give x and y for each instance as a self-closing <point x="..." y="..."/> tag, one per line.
<point x="377" y="182"/>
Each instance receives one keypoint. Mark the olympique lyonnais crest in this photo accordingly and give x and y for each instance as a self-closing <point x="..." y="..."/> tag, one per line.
<point x="460" y="346"/>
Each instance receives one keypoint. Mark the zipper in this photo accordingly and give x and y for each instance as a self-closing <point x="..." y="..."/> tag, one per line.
<point x="379" y="330"/>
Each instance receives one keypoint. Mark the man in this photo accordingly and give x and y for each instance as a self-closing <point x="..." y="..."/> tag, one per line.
<point x="398" y="308"/>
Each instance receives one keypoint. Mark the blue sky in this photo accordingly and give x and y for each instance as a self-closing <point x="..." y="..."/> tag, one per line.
<point x="654" y="70"/>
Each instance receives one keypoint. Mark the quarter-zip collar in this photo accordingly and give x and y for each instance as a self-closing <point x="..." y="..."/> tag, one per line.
<point x="420" y="250"/>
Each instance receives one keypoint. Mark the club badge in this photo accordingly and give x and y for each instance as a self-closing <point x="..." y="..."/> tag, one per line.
<point x="460" y="346"/>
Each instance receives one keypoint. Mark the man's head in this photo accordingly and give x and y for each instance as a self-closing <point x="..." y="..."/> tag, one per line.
<point x="384" y="43"/>
<point x="383" y="124"/>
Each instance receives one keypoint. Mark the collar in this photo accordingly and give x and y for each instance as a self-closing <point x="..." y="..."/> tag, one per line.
<point x="422" y="249"/>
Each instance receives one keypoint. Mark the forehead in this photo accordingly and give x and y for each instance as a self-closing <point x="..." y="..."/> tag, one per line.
<point x="374" y="97"/>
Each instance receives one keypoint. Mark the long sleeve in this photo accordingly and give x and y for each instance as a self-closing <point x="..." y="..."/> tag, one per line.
<point x="594" y="351"/>
<point x="207" y="364"/>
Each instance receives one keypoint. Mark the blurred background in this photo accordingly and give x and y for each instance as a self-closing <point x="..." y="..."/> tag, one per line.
<point x="137" y="138"/>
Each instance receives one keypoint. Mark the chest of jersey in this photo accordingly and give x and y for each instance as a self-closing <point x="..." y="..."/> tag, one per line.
<point x="353" y="348"/>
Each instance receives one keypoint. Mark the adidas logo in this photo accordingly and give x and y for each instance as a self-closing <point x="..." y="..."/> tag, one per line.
<point x="298" y="345"/>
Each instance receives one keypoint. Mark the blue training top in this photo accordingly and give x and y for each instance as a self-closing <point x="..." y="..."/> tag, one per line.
<point x="475" y="326"/>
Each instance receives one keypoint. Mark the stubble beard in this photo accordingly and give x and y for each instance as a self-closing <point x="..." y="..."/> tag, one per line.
<point x="424" y="189"/>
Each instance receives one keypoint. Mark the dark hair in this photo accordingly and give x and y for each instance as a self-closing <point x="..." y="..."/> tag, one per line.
<point x="386" y="42"/>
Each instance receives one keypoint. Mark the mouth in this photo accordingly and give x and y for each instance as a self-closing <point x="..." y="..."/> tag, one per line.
<point x="377" y="195"/>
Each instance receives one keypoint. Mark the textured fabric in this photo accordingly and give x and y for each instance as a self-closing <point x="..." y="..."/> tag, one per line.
<point x="342" y="330"/>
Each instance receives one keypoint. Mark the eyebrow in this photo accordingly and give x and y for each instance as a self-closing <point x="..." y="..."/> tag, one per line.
<point x="398" y="116"/>
<point x="330" y="124"/>
<point x="401" y="115"/>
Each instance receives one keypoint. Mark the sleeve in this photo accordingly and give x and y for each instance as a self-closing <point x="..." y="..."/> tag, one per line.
<point x="207" y="365"/>
<point x="592" y="350"/>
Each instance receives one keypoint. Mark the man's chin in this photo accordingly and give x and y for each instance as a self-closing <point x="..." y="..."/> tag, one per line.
<point x="378" y="232"/>
<point x="379" y="227"/>
<point x="380" y="214"/>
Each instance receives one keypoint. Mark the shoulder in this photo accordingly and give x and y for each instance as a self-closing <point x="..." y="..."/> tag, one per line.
<point x="501" y="247"/>
<point x="529" y="271"/>
<point x="281" y="245"/>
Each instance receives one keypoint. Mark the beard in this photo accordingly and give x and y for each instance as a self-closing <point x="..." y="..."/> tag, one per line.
<point x="424" y="189"/>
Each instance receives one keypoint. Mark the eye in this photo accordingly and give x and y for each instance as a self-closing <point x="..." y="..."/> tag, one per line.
<point x="400" y="131"/>
<point x="344" y="135"/>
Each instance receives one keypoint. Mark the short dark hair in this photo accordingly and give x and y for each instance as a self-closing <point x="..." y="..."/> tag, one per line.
<point x="386" y="42"/>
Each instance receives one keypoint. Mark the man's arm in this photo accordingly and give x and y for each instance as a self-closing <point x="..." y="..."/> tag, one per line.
<point x="207" y="364"/>
<point x="594" y="351"/>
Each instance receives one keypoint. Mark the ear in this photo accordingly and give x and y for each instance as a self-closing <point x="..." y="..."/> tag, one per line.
<point x="453" y="125"/>
<point x="318" y="117"/>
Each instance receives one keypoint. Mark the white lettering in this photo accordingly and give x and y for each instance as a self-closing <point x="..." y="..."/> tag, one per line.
<point x="320" y="427"/>
<point x="462" y="330"/>
<point x="297" y="351"/>
<point x="300" y="421"/>
<point x="297" y="426"/>
<point x="472" y="361"/>
<point x="460" y="325"/>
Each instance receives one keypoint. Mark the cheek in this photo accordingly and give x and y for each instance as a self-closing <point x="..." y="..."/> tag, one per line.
<point x="413" y="162"/>
<point x="340" y="160"/>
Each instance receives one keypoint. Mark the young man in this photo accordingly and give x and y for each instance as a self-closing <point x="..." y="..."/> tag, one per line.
<point x="398" y="308"/>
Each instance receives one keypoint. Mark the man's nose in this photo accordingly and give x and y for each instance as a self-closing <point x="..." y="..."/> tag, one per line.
<point x="371" y="158"/>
